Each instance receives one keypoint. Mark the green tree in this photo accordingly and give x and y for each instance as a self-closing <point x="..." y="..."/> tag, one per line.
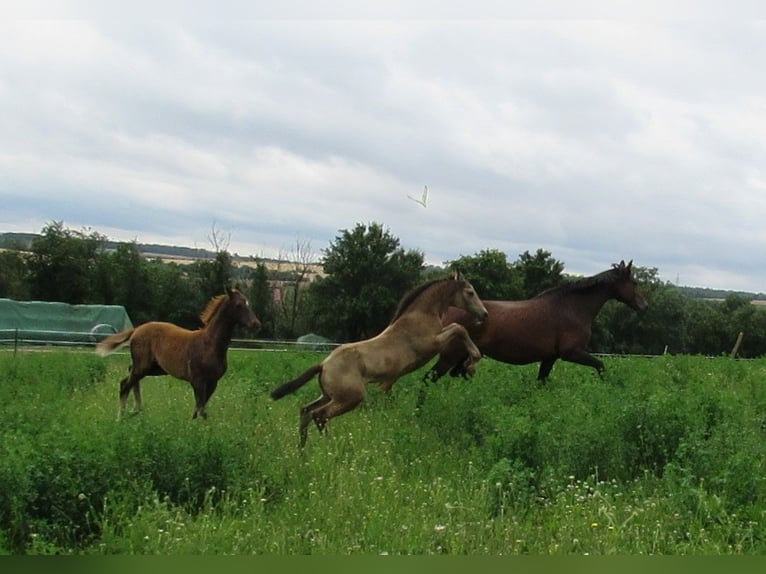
<point x="14" y="275"/>
<point x="175" y="297"/>
<point x="539" y="271"/>
<point x="745" y="318"/>
<point x="212" y="275"/>
<point x="367" y="273"/>
<point x="491" y="274"/>
<point x="706" y="326"/>
<point x="62" y="262"/>
<point x="130" y="281"/>
<point x="261" y="299"/>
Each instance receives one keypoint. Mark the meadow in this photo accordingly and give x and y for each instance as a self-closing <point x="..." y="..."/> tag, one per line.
<point x="660" y="456"/>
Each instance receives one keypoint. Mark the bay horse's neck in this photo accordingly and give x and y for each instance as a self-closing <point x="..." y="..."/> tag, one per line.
<point x="591" y="300"/>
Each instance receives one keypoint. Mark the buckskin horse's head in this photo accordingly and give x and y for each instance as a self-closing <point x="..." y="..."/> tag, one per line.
<point x="467" y="298"/>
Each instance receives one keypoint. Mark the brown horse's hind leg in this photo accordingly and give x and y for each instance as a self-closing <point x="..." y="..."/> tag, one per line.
<point x="131" y="382"/>
<point x="124" y="392"/>
<point x="545" y="369"/>
<point x="137" y="396"/>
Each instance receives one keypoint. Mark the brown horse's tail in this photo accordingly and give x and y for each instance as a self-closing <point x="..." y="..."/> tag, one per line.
<point x="112" y="342"/>
<point x="295" y="384"/>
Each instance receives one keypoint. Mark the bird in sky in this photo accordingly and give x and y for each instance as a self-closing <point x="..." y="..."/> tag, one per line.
<point x="424" y="198"/>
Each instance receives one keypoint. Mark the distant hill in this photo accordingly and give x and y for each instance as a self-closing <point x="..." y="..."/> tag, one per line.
<point x="152" y="250"/>
<point x="707" y="293"/>
<point x="24" y="241"/>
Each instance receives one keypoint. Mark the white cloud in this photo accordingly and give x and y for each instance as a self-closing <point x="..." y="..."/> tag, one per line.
<point x="598" y="140"/>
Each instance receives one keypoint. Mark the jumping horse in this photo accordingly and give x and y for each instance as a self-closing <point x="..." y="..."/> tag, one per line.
<point x="199" y="356"/>
<point x="414" y="336"/>
<point x="556" y="324"/>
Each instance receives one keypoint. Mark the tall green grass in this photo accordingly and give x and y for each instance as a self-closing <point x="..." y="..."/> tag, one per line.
<point x="661" y="456"/>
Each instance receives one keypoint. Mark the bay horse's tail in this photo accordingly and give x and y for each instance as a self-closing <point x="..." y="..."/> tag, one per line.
<point x="113" y="341"/>
<point x="295" y="384"/>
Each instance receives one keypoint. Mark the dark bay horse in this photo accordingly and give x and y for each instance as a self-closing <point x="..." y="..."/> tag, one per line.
<point x="556" y="324"/>
<point x="415" y="335"/>
<point x="158" y="348"/>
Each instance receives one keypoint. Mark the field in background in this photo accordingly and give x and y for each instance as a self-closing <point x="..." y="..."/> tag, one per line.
<point x="661" y="456"/>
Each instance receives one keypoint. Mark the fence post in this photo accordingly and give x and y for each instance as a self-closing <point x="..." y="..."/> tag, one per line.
<point x="15" y="341"/>
<point x="737" y="345"/>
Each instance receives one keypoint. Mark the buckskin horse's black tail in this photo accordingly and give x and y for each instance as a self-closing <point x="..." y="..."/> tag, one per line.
<point x="295" y="384"/>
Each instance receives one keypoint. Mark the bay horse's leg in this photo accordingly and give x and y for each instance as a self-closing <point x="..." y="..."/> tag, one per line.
<point x="584" y="358"/>
<point x="545" y="369"/>
<point x="445" y="364"/>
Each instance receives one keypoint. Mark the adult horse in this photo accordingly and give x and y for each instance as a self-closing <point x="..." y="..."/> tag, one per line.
<point x="158" y="348"/>
<point x="556" y="324"/>
<point x="414" y="336"/>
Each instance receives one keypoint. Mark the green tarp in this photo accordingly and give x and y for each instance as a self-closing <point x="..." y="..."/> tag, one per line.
<point x="41" y="321"/>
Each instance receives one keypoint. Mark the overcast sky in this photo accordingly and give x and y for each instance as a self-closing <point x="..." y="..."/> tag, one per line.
<point x="597" y="140"/>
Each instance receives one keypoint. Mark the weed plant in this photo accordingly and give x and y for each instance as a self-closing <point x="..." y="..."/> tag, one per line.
<point x="660" y="456"/>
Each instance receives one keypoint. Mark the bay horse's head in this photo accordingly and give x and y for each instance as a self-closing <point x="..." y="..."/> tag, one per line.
<point x="626" y="287"/>
<point x="465" y="297"/>
<point x="239" y="310"/>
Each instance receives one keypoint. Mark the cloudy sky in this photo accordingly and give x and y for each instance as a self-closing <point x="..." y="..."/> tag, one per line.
<point x="597" y="140"/>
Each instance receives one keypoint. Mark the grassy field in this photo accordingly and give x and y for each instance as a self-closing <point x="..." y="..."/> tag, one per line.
<point x="661" y="456"/>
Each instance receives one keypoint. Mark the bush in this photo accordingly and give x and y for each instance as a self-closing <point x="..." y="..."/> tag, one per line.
<point x="662" y="456"/>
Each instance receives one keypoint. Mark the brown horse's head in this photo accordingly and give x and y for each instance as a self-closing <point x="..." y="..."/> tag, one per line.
<point x="465" y="297"/>
<point x="626" y="287"/>
<point x="240" y="311"/>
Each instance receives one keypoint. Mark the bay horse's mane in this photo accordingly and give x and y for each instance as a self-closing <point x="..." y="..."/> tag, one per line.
<point x="212" y="308"/>
<point x="413" y="294"/>
<point x="616" y="273"/>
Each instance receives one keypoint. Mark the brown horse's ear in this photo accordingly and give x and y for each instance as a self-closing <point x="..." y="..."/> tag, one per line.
<point x="457" y="275"/>
<point x="228" y="290"/>
<point x="630" y="265"/>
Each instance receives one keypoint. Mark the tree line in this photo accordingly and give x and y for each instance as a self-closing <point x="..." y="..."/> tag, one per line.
<point x="366" y="271"/>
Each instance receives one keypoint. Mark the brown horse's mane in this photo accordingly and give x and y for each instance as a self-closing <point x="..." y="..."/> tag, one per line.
<point x="616" y="273"/>
<point x="413" y="294"/>
<point x="212" y="308"/>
